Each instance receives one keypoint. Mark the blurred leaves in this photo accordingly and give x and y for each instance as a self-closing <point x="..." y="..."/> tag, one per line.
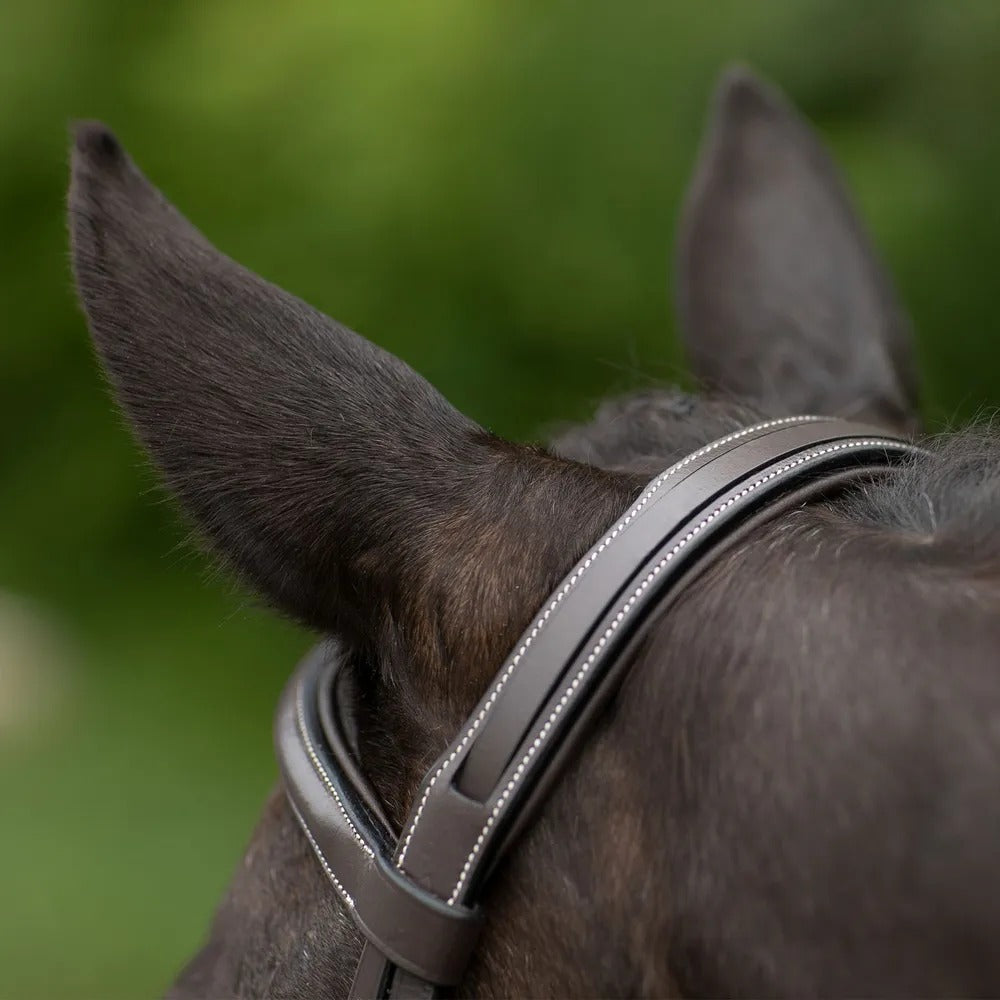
<point x="489" y="190"/>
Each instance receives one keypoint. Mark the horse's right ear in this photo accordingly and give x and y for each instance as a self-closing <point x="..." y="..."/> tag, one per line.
<point x="335" y="480"/>
<point x="782" y="299"/>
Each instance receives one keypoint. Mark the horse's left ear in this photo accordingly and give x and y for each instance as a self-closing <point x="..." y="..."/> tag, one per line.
<point x="781" y="297"/>
<point x="334" y="479"/>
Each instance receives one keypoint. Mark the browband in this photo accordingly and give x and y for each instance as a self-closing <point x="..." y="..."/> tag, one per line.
<point x="413" y="895"/>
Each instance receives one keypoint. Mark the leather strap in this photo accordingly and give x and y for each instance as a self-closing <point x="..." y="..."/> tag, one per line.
<point x="413" y="896"/>
<point x="458" y="818"/>
<point x="686" y="492"/>
<point x="413" y="928"/>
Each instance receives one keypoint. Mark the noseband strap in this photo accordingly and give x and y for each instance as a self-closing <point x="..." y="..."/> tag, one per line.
<point x="413" y="895"/>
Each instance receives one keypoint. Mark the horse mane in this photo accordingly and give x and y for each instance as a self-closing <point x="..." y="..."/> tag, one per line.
<point x="948" y="501"/>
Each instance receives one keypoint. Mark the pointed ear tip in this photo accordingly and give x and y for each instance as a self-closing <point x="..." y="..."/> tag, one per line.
<point x="95" y="145"/>
<point x="741" y="93"/>
<point x="97" y="162"/>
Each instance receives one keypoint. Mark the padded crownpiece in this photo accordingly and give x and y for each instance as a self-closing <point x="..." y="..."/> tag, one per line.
<point x="413" y="894"/>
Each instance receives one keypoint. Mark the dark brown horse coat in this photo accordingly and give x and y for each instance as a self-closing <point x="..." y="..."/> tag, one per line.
<point x="795" y="791"/>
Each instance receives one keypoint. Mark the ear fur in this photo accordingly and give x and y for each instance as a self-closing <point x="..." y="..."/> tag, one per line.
<point x="332" y="477"/>
<point x="781" y="297"/>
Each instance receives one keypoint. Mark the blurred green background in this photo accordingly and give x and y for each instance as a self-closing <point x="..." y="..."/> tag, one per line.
<point x="487" y="189"/>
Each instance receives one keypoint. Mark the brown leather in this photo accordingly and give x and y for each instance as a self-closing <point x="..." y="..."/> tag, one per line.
<point x="412" y="896"/>
<point x="457" y="830"/>
<point x="827" y="485"/>
<point x="335" y="697"/>
<point x="690" y="490"/>
<point x="413" y="928"/>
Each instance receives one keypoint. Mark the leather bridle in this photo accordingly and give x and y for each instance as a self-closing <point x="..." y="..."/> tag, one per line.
<point x="413" y="894"/>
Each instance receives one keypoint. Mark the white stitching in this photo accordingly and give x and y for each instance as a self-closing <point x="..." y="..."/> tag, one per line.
<point x="587" y="562"/>
<point x="348" y="898"/>
<point x="618" y="619"/>
<point x="570" y="583"/>
<point x="321" y="771"/>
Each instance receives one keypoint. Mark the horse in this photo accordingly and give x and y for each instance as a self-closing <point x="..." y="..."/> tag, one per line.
<point x="793" y="791"/>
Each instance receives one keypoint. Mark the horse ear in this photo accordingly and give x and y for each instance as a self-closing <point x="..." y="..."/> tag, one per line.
<point x="332" y="477"/>
<point x="781" y="297"/>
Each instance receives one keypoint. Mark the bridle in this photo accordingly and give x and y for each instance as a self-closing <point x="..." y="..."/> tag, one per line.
<point x="413" y="894"/>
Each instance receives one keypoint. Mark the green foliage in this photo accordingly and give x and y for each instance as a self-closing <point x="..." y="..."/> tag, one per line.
<point x="488" y="190"/>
